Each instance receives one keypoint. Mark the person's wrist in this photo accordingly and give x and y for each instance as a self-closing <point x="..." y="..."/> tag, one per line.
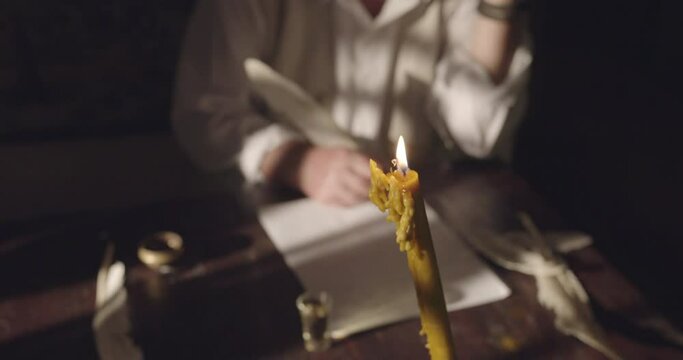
<point x="502" y="10"/>
<point x="282" y="164"/>
<point x="500" y="2"/>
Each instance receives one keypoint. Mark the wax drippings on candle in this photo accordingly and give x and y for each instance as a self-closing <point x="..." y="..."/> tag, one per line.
<point x="397" y="193"/>
<point x="387" y="192"/>
<point x="379" y="187"/>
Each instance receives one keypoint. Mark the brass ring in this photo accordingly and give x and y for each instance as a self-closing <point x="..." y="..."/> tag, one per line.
<point x="160" y="249"/>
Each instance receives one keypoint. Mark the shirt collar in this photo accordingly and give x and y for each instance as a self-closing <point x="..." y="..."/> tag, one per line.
<point x="391" y="11"/>
<point x="395" y="9"/>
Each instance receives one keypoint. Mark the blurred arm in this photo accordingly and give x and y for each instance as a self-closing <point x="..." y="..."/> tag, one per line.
<point x="492" y="42"/>
<point x="476" y="85"/>
<point x="212" y="115"/>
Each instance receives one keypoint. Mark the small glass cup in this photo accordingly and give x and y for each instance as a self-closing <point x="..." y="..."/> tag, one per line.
<point x="314" y="308"/>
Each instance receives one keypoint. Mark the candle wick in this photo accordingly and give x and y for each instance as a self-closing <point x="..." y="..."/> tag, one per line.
<point x="396" y="166"/>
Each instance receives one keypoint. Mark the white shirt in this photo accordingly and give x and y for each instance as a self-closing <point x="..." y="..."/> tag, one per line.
<point x="215" y="122"/>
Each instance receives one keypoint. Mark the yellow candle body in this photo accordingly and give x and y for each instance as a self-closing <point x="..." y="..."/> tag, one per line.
<point x="400" y="195"/>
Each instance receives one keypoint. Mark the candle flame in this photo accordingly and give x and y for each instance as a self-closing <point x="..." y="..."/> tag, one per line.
<point x="401" y="157"/>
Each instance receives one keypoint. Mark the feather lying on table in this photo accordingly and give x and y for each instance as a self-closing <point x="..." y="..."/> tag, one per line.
<point x="558" y="288"/>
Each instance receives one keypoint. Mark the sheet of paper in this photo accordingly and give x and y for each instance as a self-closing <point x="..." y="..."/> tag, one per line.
<point x="351" y="253"/>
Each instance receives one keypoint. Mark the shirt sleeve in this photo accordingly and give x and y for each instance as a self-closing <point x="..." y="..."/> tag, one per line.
<point x="212" y="116"/>
<point x="472" y="107"/>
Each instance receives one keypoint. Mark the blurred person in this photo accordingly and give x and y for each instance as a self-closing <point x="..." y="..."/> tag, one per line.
<point x="302" y="92"/>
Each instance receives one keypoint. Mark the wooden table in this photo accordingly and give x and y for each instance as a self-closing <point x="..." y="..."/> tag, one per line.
<point x="233" y="296"/>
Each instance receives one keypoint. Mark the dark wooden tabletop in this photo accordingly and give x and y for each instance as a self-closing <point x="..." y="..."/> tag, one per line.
<point x="232" y="296"/>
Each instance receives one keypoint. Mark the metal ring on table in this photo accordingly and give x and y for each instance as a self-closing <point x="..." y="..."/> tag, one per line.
<point x="160" y="249"/>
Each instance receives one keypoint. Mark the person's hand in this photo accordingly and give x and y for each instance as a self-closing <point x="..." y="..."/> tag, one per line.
<point x="330" y="175"/>
<point x="334" y="175"/>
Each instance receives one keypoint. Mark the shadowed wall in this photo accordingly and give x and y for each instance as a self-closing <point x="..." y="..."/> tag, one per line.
<point x="602" y="140"/>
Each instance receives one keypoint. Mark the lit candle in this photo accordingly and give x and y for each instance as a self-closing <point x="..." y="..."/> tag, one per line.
<point x="398" y="192"/>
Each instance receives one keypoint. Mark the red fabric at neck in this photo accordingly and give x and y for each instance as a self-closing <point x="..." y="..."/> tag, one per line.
<point x="373" y="6"/>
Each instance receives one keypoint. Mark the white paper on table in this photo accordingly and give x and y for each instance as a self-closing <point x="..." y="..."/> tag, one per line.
<point x="351" y="254"/>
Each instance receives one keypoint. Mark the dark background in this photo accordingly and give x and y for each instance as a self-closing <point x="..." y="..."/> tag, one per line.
<point x="78" y="68"/>
<point x="602" y="140"/>
<point x="85" y="92"/>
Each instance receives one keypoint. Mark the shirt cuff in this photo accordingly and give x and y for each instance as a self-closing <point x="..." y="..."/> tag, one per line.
<point x="473" y="107"/>
<point x="260" y="143"/>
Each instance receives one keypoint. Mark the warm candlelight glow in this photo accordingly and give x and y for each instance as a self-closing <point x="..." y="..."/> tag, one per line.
<point x="401" y="157"/>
